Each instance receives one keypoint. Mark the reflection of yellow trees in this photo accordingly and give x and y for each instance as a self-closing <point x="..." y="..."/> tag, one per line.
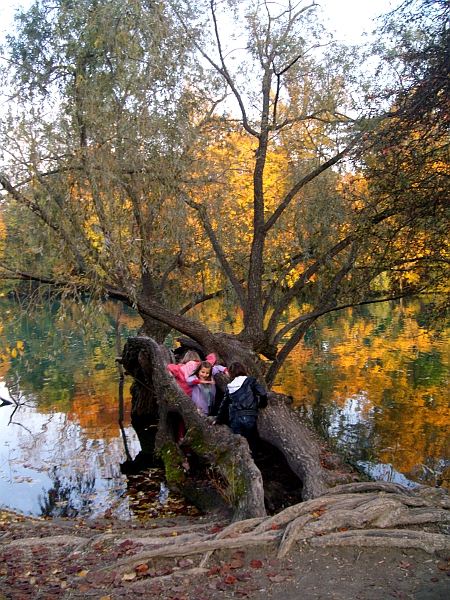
<point x="95" y="406"/>
<point x="401" y="367"/>
<point x="65" y="372"/>
<point x="383" y="356"/>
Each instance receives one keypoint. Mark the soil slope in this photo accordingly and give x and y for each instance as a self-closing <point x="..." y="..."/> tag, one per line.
<point x="46" y="559"/>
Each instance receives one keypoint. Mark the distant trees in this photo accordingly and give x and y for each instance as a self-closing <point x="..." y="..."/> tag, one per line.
<point x="162" y="153"/>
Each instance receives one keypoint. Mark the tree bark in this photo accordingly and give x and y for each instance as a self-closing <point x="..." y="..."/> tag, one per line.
<point x="282" y="427"/>
<point x="160" y="403"/>
<point x="237" y="477"/>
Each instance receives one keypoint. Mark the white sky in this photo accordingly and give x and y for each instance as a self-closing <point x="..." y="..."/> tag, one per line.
<point x="349" y="18"/>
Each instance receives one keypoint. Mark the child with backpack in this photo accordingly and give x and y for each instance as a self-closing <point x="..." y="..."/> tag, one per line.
<point x="243" y="398"/>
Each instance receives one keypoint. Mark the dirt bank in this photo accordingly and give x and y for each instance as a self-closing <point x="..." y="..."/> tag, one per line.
<point x="42" y="559"/>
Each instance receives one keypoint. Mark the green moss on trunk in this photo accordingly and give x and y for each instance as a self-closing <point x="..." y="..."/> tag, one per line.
<point x="172" y="459"/>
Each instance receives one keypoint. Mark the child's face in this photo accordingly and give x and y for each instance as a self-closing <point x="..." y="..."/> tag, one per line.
<point x="204" y="373"/>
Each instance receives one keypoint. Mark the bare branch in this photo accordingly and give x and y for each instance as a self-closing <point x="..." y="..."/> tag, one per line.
<point x="199" y="300"/>
<point x="24" y="275"/>
<point x="222" y="70"/>
<point x="168" y="271"/>
<point x="301" y="282"/>
<point x="325" y="300"/>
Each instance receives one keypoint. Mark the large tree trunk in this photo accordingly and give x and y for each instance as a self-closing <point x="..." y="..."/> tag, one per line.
<point x="282" y="427"/>
<point x="160" y="404"/>
<point x="237" y="477"/>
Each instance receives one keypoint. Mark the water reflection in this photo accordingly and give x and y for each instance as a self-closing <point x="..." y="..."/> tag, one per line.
<point x="65" y="428"/>
<point x="50" y="465"/>
<point x="375" y="381"/>
<point x="68" y="497"/>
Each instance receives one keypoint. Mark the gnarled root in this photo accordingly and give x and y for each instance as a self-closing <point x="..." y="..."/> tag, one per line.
<point x="375" y="514"/>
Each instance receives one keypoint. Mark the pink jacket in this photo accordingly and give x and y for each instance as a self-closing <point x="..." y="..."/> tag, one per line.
<point x="198" y="396"/>
<point x="182" y="372"/>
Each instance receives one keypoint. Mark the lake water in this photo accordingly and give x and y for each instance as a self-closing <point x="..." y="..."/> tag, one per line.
<point x="375" y="381"/>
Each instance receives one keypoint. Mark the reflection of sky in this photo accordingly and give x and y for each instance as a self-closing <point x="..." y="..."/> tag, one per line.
<point x="35" y="448"/>
<point x="385" y="472"/>
<point x="356" y="412"/>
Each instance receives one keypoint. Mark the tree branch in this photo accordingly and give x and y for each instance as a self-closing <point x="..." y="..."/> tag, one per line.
<point x="301" y="282"/>
<point x="237" y="286"/>
<point x="223" y="71"/>
<point x="25" y="276"/>
<point x="42" y="214"/>
<point x="305" y="180"/>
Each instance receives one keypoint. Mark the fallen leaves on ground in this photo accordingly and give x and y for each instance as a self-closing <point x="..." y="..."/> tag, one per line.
<point x="48" y="570"/>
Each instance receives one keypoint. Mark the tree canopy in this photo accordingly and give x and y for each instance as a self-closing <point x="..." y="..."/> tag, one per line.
<point x="163" y="153"/>
<point x="409" y="167"/>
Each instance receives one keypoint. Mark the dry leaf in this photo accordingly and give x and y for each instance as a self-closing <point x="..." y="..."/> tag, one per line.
<point x="236" y="564"/>
<point x="143" y="568"/>
<point x="185" y="562"/>
<point x="82" y="573"/>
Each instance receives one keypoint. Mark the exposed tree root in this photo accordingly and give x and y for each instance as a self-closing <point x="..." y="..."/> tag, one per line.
<point x="363" y="515"/>
<point x="236" y="527"/>
<point x="377" y="514"/>
<point x="356" y="513"/>
<point x="179" y="549"/>
<point x="74" y="542"/>
<point x="390" y="538"/>
<point x="185" y="573"/>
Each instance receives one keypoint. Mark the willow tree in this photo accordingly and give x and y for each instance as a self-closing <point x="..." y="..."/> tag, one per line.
<point x="408" y="166"/>
<point x="166" y="153"/>
<point x="113" y="147"/>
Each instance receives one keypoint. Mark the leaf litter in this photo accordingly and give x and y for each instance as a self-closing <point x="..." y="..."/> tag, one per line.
<point x="39" y="558"/>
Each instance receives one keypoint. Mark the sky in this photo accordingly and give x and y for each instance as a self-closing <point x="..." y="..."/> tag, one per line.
<point x="349" y="18"/>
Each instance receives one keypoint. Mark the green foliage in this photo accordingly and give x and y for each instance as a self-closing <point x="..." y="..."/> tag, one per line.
<point x="104" y="139"/>
<point x="408" y="166"/>
<point x="167" y="152"/>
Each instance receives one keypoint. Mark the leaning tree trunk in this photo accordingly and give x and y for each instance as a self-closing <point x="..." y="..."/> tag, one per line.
<point x="159" y="404"/>
<point x="282" y="427"/>
<point x="238" y="478"/>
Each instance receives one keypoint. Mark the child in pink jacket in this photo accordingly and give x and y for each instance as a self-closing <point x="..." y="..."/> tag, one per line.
<point x="203" y="385"/>
<point x="185" y="369"/>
